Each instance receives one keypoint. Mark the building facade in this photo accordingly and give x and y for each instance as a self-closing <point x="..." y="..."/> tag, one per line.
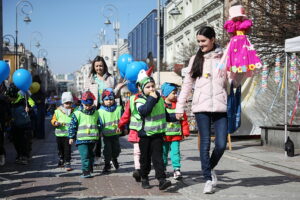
<point x="142" y="39"/>
<point x="180" y="29"/>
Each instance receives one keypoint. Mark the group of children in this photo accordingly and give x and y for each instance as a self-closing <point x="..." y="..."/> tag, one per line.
<point x="153" y="130"/>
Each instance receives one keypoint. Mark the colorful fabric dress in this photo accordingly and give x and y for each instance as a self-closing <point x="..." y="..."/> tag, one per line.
<point x="240" y="54"/>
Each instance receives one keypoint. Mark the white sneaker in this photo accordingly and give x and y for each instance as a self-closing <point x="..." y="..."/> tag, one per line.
<point x="214" y="178"/>
<point x="97" y="161"/>
<point x="177" y="174"/>
<point x="2" y="160"/>
<point x="208" y="187"/>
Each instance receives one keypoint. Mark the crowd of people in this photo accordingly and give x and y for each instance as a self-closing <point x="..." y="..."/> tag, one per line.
<point x="155" y="122"/>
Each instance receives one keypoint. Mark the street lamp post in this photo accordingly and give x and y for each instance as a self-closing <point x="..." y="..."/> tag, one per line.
<point x="8" y="37"/>
<point x="108" y="11"/>
<point x="26" y="9"/>
<point x="158" y="42"/>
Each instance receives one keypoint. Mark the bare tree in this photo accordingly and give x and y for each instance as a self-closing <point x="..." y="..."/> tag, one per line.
<point x="185" y="53"/>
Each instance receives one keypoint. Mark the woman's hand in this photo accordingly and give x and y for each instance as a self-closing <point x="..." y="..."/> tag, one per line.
<point x="120" y="85"/>
<point x="179" y="116"/>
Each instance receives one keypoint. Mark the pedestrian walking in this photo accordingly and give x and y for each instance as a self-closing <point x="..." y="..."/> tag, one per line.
<point x="150" y="122"/>
<point x="128" y="118"/>
<point x="61" y="120"/>
<point x="99" y="79"/>
<point x="21" y="128"/>
<point x="175" y="132"/>
<point x="209" y="102"/>
<point x="110" y="114"/>
<point x="85" y="129"/>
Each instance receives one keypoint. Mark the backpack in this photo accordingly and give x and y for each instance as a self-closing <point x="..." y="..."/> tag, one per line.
<point x="20" y="117"/>
<point x="289" y="147"/>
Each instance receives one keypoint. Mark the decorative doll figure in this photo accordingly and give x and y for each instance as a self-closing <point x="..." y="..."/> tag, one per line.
<point x="240" y="55"/>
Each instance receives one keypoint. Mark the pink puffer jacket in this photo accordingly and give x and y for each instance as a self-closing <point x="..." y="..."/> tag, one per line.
<point x="210" y="92"/>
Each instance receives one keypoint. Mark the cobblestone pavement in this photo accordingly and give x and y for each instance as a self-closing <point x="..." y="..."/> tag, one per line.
<point x="249" y="171"/>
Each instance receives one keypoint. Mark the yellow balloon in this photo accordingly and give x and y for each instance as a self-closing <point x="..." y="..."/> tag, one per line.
<point x="35" y="87"/>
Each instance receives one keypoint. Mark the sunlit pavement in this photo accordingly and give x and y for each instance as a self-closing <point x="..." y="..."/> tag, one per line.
<point x="249" y="171"/>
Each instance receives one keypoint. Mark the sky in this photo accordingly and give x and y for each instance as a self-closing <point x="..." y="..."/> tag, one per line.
<point x="68" y="29"/>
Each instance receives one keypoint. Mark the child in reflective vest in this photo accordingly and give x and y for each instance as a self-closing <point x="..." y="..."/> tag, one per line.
<point x="61" y="120"/>
<point x="110" y="114"/>
<point x="85" y="128"/>
<point x="127" y="118"/>
<point x="150" y="122"/>
<point x="175" y="132"/>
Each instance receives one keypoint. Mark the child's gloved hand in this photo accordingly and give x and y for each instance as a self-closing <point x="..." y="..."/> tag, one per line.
<point x="57" y="123"/>
<point x="71" y="141"/>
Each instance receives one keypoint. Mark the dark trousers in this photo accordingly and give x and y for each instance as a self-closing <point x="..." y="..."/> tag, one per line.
<point x="97" y="148"/>
<point x="204" y="120"/>
<point x="2" y="150"/>
<point x="40" y="125"/>
<point x="87" y="156"/>
<point x="112" y="148"/>
<point x="151" y="149"/>
<point x="64" y="149"/>
<point x="22" y="140"/>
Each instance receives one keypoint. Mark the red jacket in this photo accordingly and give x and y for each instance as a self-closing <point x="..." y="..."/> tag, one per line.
<point x="184" y="127"/>
<point x="125" y="119"/>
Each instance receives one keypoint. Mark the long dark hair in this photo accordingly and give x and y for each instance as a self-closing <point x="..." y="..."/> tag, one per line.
<point x="97" y="59"/>
<point x="197" y="67"/>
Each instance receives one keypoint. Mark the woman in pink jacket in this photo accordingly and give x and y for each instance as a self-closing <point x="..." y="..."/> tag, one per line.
<point x="209" y="102"/>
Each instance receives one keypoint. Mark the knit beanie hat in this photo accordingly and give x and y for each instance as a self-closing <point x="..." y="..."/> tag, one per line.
<point x="143" y="79"/>
<point x="108" y="94"/>
<point x="87" y="98"/>
<point x="167" y="88"/>
<point x="66" y="97"/>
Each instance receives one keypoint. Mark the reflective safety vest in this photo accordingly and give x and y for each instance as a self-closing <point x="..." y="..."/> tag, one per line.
<point x="88" y="128"/>
<point x="173" y="128"/>
<point x="134" y="122"/>
<point x="110" y="121"/>
<point x="62" y="130"/>
<point x="154" y="123"/>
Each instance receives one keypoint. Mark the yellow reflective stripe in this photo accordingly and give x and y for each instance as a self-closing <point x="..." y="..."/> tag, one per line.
<point x="155" y="128"/>
<point x="94" y="134"/>
<point x="113" y="123"/>
<point x="156" y="117"/>
<point x="83" y="127"/>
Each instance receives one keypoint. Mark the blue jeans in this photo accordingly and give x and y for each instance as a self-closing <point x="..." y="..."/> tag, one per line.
<point x="204" y="121"/>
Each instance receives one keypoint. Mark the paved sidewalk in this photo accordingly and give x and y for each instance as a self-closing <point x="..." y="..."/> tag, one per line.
<point x="249" y="171"/>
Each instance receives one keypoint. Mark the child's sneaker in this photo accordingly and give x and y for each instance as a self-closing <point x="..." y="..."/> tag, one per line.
<point x="86" y="174"/>
<point x="107" y="168"/>
<point x="164" y="184"/>
<point x="177" y="174"/>
<point x="145" y="184"/>
<point x="60" y="163"/>
<point x="136" y="174"/>
<point x="115" y="163"/>
<point x="97" y="161"/>
<point x="24" y="160"/>
<point x="208" y="187"/>
<point x="2" y="160"/>
<point x="68" y="166"/>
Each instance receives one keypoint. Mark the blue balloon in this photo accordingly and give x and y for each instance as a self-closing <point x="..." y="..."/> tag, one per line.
<point x="133" y="70"/>
<point x="4" y="70"/>
<point x="22" y="79"/>
<point x="145" y="66"/>
<point x="132" y="87"/>
<point x="122" y="63"/>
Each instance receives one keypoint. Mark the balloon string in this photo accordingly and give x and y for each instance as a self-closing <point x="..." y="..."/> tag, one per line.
<point x="26" y="103"/>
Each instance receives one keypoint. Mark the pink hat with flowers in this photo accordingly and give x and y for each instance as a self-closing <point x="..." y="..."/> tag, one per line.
<point x="237" y="11"/>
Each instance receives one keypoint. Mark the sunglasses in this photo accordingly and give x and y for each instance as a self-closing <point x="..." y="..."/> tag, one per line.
<point x="68" y="103"/>
<point x="88" y="105"/>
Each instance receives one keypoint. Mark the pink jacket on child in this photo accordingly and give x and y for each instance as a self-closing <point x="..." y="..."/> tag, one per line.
<point x="210" y="90"/>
